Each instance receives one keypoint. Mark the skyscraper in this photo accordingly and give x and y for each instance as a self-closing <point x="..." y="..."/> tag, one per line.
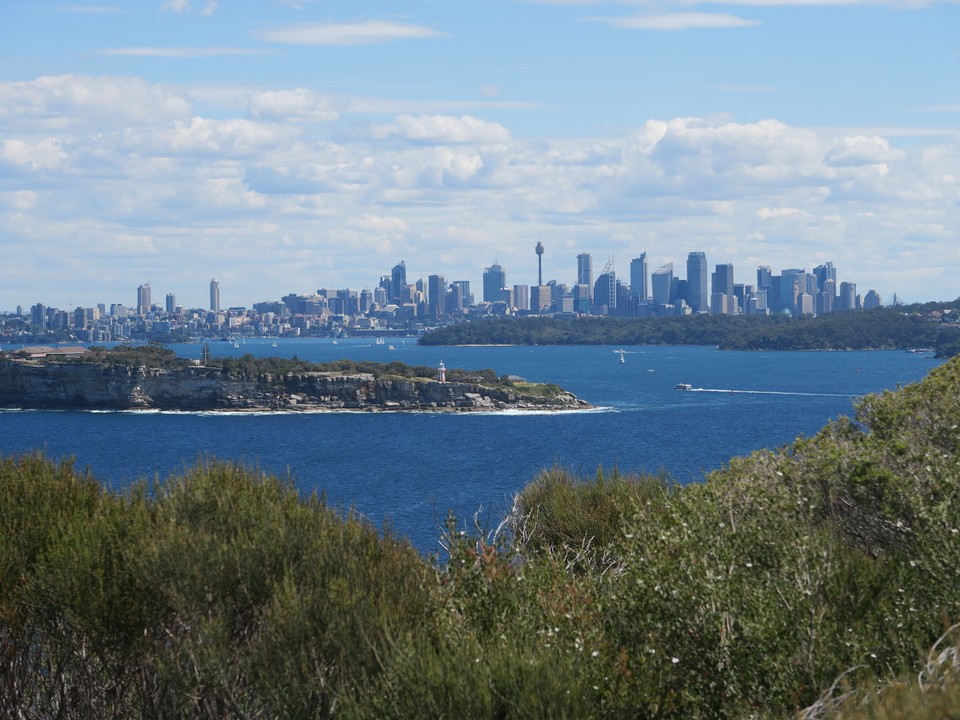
<point x="605" y="291"/>
<point x="585" y="272"/>
<point x="144" y="302"/>
<point x="171" y="302"/>
<point x="722" y="301"/>
<point x="661" y="282"/>
<point x="697" y="294"/>
<point x="436" y="295"/>
<point x="215" y="295"/>
<point x="825" y="272"/>
<point x="638" y="278"/>
<point x="398" y="278"/>
<point x="494" y="280"/>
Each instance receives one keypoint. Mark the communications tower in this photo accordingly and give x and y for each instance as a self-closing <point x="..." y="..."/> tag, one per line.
<point x="539" y="249"/>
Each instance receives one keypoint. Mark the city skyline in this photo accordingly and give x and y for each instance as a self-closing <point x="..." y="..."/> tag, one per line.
<point x="761" y="290"/>
<point x="300" y="144"/>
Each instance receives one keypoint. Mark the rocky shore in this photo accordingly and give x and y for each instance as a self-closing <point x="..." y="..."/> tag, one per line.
<point x="31" y="384"/>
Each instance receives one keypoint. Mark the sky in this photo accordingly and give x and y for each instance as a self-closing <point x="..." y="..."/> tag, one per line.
<point x="289" y="145"/>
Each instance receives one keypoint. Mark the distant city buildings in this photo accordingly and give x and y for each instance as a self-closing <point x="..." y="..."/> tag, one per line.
<point x="397" y="305"/>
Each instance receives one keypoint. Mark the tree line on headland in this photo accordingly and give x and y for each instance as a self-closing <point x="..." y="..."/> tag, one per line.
<point x="884" y="328"/>
<point x="821" y="580"/>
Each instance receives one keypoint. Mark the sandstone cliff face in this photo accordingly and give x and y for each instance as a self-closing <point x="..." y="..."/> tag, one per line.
<point x="78" y="385"/>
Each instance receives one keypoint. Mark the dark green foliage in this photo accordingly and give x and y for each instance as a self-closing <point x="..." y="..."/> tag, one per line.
<point x="794" y="579"/>
<point x="884" y="328"/>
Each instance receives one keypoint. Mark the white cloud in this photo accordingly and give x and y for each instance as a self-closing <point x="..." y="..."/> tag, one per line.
<point x="359" y="33"/>
<point x="81" y="169"/>
<point x="202" y="136"/>
<point x="441" y="129"/>
<point x="75" y="100"/>
<point x="292" y="105"/>
<point x="679" y="21"/>
<point x="861" y="150"/>
<point x="45" y="154"/>
<point x="177" y="6"/>
<point x="182" y="52"/>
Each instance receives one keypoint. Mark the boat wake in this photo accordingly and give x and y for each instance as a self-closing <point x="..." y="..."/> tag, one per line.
<point x="730" y="391"/>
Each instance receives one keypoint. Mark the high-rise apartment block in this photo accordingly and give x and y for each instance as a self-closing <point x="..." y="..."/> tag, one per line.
<point x="144" y="302"/>
<point x="215" y="295"/>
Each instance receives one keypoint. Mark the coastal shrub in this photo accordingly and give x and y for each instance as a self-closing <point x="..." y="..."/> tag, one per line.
<point x="222" y="593"/>
<point x="817" y="579"/>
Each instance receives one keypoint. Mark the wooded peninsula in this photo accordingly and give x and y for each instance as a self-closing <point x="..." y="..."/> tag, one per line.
<point x="936" y="328"/>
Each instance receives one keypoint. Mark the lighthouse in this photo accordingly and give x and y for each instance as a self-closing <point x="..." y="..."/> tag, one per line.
<point x="441" y="373"/>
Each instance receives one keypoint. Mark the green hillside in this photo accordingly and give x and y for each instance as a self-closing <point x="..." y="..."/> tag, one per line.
<point x="820" y="579"/>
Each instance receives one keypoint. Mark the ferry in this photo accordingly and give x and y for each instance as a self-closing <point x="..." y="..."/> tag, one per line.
<point x="683" y="386"/>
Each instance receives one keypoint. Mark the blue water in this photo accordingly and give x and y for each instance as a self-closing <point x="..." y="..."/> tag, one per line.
<point x="410" y="470"/>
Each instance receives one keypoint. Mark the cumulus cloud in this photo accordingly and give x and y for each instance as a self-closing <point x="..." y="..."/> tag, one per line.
<point x="358" y="33"/>
<point x="45" y="154"/>
<point x="861" y="150"/>
<point x="292" y="105"/>
<point x="438" y="129"/>
<point x="67" y="101"/>
<point x="202" y="136"/>
<point x="277" y="177"/>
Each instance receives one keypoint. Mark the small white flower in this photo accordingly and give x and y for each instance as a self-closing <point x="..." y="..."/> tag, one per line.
<point x="595" y="653"/>
<point x="675" y="660"/>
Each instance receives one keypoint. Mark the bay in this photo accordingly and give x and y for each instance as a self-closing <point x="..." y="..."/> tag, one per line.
<point x="409" y="470"/>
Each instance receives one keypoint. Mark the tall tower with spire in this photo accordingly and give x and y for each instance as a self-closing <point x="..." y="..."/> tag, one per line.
<point x="539" y="250"/>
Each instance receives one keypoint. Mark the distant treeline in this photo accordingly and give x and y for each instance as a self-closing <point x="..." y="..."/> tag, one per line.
<point x="885" y="328"/>
<point x="248" y="367"/>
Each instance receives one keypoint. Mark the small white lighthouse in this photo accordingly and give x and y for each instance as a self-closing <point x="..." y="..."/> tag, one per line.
<point x="441" y="373"/>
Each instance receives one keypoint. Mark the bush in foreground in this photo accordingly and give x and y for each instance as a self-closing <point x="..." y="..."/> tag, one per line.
<point x="814" y="580"/>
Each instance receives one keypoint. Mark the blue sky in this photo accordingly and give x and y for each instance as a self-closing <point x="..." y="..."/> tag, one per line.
<point x="288" y="146"/>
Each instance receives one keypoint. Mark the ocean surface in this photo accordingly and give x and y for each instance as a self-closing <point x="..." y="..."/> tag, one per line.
<point x="409" y="470"/>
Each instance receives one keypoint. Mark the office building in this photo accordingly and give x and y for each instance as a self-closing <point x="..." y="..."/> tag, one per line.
<point x="494" y="280"/>
<point x="661" y="283"/>
<point x="540" y="298"/>
<point x="697" y="293"/>
<point x="436" y="295"/>
<point x="398" y="279"/>
<point x="521" y="297"/>
<point x="605" y="292"/>
<point x="638" y="278"/>
<point x="171" y="303"/>
<point x="585" y="272"/>
<point x="723" y="300"/>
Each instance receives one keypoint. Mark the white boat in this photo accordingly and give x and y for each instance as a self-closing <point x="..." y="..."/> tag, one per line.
<point x="379" y="341"/>
<point x="683" y="386"/>
<point x="622" y="360"/>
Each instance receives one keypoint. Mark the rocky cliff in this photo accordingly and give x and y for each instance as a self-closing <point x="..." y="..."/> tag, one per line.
<point x="85" y="385"/>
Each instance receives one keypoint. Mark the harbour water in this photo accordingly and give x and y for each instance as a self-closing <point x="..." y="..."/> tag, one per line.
<point x="408" y="470"/>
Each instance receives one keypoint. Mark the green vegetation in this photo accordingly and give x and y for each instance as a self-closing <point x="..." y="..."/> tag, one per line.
<point x="822" y="578"/>
<point x="885" y="328"/>
<point x="248" y="367"/>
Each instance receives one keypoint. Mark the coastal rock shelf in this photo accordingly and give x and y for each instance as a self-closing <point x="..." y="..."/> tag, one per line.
<point x="76" y="384"/>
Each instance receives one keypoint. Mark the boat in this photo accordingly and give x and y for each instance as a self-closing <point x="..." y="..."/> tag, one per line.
<point x="273" y="344"/>
<point x="683" y="386"/>
<point x="379" y="340"/>
<point x="622" y="360"/>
